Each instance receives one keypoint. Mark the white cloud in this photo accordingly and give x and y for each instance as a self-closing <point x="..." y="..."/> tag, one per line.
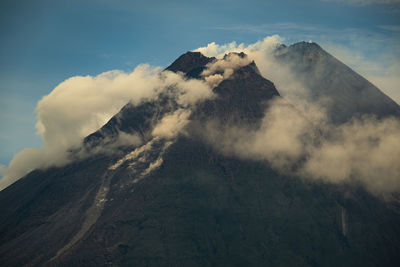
<point x="215" y="50"/>
<point x="172" y="124"/>
<point x="222" y="69"/>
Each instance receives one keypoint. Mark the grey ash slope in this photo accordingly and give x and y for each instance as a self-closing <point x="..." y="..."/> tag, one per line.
<point x="198" y="208"/>
<point x="350" y="94"/>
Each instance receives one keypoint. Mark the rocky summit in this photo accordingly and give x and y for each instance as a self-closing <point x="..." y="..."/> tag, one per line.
<point x="181" y="202"/>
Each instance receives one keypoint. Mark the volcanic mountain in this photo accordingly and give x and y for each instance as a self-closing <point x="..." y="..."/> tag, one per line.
<point x="181" y="202"/>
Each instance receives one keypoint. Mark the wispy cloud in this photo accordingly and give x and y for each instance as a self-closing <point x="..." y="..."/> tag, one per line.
<point x="366" y="2"/>
<point x="393" y="28"/>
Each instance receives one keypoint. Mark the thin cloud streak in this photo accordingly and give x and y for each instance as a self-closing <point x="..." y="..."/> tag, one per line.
<point x="366" y="2"/>
<point x="393" y="28"/>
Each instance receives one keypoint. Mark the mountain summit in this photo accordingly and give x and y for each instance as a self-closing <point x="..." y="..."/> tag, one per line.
<point x="179" y="201"/>
<point x="190" y="63"/>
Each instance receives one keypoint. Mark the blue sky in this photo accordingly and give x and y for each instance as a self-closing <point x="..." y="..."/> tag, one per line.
<point x="45" y="42"/>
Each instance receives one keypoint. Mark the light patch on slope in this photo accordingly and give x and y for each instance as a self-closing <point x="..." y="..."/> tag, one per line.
<point x="133" y="155"/>
<point x="154" y="164"/>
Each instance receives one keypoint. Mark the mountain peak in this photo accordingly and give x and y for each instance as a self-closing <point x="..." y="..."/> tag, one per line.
<point x="190" y="63"/>
<point x="304" y="44"/>
<point x="241" y="55"/>
<point x="307" y="50"/>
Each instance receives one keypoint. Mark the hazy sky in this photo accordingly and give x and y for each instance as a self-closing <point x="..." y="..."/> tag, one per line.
<point x="45" y="42"/>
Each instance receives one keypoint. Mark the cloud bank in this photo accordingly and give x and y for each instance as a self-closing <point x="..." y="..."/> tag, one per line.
<point x="82" y="104"/>
<point x="364" y="152"/>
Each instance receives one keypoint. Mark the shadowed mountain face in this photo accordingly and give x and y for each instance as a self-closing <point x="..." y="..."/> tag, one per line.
<point x="181" y="203"/>
<point x="349" y="94"/>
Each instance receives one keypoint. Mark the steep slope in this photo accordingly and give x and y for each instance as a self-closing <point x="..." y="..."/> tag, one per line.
<point x="179" y="202"/>
<point x="349" y="93"/>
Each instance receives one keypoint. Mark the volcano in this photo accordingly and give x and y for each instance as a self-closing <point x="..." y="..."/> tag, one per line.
<point x="181" y="202"/>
